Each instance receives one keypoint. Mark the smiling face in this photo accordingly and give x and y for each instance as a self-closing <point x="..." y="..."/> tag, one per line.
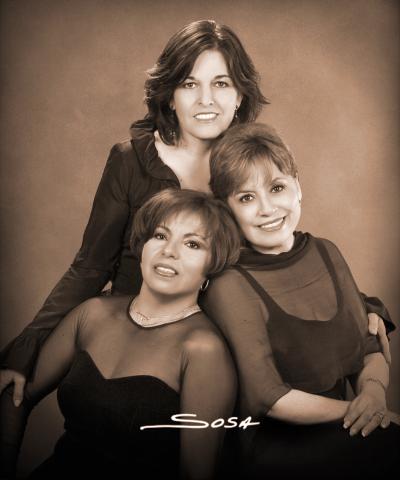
<point x="205" y="102"/>
<point x="267" y="208"/>
<point x="175" y="259"/>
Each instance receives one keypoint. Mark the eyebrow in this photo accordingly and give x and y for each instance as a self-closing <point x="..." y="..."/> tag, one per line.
<point x="186" y="234"/>
<point x="252" y="189"/>
<point x="225" y="75"/>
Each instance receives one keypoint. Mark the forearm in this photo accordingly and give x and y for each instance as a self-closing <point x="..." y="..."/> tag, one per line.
<point x="306" y="408"/>
<point x="77" y="285"/>
<point x="375" y="370"/>
<point x="12" y="427"/>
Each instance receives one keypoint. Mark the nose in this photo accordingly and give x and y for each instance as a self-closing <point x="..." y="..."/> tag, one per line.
<point x="170" y="250"/>
<point x="267" y="206"/>
<point x="206" y="96"/>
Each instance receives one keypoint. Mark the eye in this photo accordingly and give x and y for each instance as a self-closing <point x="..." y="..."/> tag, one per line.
<point x="192" y="244"/>
<point x="159" y="236"/>
<point x="246" y="198"/>
<point x="277" y="188"/>
<point x="221" y="84"/>
<point x="189" y="85"/>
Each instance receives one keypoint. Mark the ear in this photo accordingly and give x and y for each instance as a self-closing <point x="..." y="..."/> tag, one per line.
<point x="239" y="100"/>
<point x="299" y="192"/>
<point x="172" y="104"/>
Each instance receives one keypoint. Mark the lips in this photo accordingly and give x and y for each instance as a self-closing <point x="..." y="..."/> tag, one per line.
<point x="206" y="116"/>
<point x="165" y="270"/>
<point x="273" y="225"/>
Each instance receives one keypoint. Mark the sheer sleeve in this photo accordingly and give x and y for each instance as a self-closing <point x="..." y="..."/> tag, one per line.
<point x="208" y="391"/>
<point x="237" y="310"/>
<point x="375" y="305"/>
<point x="92" y="267"/>
<point x="53" y="363"/>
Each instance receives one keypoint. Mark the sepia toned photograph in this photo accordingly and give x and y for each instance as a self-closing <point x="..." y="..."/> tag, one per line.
<point x="200" y="225"/>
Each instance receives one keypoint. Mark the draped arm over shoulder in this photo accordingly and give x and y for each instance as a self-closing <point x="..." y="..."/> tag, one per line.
<point x="92" y="267"/>
<point x="53" y="363"/>
<point x="235" y="307"/>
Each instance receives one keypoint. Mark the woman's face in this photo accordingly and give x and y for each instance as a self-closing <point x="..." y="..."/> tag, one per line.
<point x="175" y="259"/>
<point x="267" y="208"/>
<point x="205" y="102"/>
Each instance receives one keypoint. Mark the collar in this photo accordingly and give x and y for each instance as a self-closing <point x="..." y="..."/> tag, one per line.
<point x="252" y="258"/>
<point x="142" y="133"/>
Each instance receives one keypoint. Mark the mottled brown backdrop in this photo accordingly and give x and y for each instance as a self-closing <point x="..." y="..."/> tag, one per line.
<point x="72" y="74"/>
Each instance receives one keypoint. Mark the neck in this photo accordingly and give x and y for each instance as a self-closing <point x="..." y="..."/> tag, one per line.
<point x="198" y="149"/>
<point x="277" y="249"/>
<point x="154" y="304"/>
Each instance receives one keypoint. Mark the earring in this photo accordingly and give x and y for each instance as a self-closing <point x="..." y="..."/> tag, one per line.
<point x="235" y="116"/>
<point x="204" y="285"/>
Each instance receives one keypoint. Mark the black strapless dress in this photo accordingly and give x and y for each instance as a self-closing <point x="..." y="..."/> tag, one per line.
<point x="103" y="417"/>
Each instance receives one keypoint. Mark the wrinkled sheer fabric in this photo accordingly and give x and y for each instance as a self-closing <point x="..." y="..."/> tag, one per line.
<point x="307" y="329"/>
<point x="113" y="377"/>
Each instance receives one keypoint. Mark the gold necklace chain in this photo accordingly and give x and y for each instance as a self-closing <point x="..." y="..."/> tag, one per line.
<point x="148" y="322"/>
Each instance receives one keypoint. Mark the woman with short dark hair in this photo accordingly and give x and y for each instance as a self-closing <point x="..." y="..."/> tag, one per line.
<point x="123" y="363"/>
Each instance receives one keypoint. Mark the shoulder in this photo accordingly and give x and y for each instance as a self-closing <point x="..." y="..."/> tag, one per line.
<point x="203" y="338"/>
<point x="99" y="311"/>
<point x="332" y="249"/>
<point x="230" y="286"/>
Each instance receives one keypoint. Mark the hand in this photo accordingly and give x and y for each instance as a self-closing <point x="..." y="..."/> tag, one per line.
<point x="11" y="376"/>
<point x="367" y="411"/>
<point x="377" y="327"/>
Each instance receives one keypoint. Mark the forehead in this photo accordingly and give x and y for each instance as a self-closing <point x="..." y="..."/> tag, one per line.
<point x="260" y="172"/>
<point x="186" y="222"/>
<point x="209" y="62"/>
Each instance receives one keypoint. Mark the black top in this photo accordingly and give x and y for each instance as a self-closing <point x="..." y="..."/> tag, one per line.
<point x="113" y="377"/>
<point x="103" y="419"/>
<point x="133" y="173"/>
<point x="294" y="320"/>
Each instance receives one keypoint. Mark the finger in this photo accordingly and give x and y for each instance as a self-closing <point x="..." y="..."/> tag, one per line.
<point x="373" y="321"/>
<point x="385" y="421"/>
<point x="384" y="341"/>
<point x="360" y="423"/>
<point x="375" y="421"/>
<point x="352" y="414"/>
<point x="19" y="385"/>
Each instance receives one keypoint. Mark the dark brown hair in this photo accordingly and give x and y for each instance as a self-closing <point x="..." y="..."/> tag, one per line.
<point x="176" y="62"/>
<point x="221" y="229"/>
<point x="239" y="149"/>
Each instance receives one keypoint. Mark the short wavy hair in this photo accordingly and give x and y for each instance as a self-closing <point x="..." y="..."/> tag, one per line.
<point x="176" y="62"/>
<point x="223" y="234"/>
<point x="241" y="148"/>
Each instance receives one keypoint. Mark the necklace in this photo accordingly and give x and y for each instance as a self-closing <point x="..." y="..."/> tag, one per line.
<point x="148" y="322"/>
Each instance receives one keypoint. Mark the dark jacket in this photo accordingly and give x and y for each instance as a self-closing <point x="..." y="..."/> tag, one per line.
<point x="133" y="173"/>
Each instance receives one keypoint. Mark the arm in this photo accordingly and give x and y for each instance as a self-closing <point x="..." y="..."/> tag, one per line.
<point x="235" y="308"/>
<point x="368" y="409"/>
<point x="54" y="361"/>
<point x="209" y="391"/>
<point x="92" y="268"/>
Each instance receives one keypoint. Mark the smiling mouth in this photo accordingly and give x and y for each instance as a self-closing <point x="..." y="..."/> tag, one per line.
<point x="206" y="116"/>
<point x="273" y="225"/>
<point x="165" y="271"/>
